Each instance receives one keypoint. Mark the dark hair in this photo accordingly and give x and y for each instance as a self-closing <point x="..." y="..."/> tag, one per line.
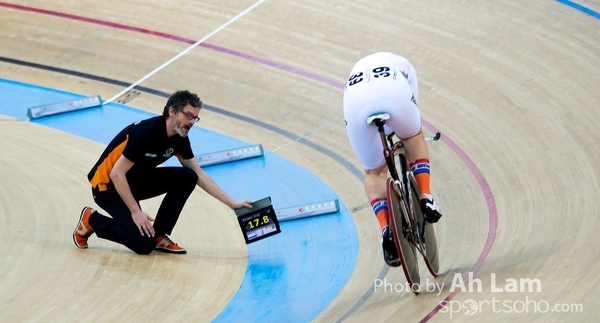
<point x="180" y="99"/>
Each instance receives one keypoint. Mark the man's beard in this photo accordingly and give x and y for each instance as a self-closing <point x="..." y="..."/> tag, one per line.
<point x="180" y="131"/>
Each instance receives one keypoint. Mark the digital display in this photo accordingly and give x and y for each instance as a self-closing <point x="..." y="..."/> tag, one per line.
<point x="259" y="222"/>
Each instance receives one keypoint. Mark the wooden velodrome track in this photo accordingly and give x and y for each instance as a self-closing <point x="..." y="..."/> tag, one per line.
<point x="512" y="85"/>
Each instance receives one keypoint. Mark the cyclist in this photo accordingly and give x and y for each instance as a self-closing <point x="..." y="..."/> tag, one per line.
<point x="387" y="83"/>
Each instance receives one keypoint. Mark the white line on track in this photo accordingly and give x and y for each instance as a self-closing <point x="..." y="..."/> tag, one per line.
<point x="241" y="14"/>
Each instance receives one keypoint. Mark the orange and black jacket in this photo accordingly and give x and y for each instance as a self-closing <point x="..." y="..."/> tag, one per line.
<point x="145" y="143"/>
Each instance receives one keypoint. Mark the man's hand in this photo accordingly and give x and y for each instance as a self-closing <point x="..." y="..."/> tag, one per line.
<point x="239" y="204"/>
<point x="142" y="221"/>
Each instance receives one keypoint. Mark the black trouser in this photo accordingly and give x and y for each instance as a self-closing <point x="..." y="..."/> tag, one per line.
<point x="177" y="182"/>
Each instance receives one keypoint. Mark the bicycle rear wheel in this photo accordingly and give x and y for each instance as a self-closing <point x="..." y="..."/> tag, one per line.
<point x="431" y="254"/>
<point x="406" y="250"/>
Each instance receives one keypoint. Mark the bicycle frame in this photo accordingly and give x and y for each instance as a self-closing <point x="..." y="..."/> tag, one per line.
<point x="401" y="183"/>
<point x="410" y="230"/>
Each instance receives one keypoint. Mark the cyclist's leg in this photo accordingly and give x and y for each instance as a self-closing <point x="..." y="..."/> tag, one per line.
<point x="375" y="187"/>
<point x="366" y="144"/>
<point x="375" y="180"/>
<point x="417" y="154"/>
<point x="405" y="121"/>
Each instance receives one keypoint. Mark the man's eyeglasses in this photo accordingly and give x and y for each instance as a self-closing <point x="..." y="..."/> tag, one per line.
<point x="189" y="116"/>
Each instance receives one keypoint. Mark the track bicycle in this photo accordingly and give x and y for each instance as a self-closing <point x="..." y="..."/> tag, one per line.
<point x="410" y="231"/>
